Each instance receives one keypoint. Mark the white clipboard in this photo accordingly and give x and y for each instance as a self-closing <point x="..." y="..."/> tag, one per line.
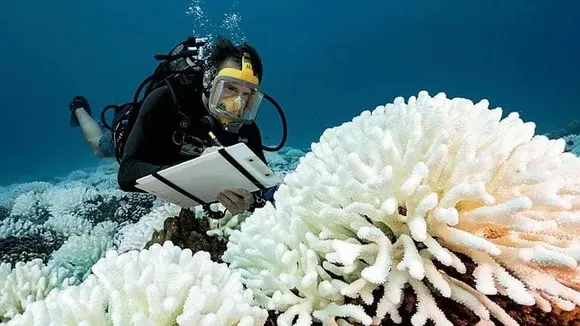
<point x="199" y="180"/>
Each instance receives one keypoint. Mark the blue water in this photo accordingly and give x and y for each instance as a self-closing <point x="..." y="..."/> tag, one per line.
<point x="324" y="63"/>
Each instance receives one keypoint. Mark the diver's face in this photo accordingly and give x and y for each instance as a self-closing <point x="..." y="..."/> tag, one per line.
<point x="231" y="88"/>
<point x="235" y="97"/>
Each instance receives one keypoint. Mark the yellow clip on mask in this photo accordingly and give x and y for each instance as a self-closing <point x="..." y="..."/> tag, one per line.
<point x="235" y="97"/>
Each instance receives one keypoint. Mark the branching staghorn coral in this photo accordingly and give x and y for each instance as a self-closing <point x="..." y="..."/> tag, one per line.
<point x="162" y="285"/>
<point x="42" y="216"/>
<point x="383" y="198"/>
<point x="10" y="193"/>
<point x="25" y="283"/>
<point x="80" y="252"/>
<point x="134" y="236"/>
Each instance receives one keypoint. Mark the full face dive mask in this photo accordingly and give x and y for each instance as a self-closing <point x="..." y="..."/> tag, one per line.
<point x="235" y="97"/>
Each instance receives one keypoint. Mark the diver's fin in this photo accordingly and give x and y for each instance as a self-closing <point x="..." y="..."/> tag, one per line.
<point x="74" y="122"/>
<point x="77" y="103"/>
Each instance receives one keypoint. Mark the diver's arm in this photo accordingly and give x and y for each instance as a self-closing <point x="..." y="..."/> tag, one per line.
<point x="143" y="147"/>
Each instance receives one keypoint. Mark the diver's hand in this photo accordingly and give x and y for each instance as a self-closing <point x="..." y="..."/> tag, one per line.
<point x="236" y="200"/>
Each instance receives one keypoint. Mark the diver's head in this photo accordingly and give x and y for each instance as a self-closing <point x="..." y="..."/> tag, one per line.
<point x="225" y="54"/>
<point x="231" y="82"/>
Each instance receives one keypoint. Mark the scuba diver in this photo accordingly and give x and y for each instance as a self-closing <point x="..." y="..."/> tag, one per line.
<point x="191" y="106"/>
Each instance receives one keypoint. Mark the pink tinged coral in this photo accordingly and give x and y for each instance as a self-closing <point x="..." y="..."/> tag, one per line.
<point x="543" y="256"/>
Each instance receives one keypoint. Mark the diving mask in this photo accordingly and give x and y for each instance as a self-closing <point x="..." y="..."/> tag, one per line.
<point x="232" y="101"/>
<point x="235" y="97"/>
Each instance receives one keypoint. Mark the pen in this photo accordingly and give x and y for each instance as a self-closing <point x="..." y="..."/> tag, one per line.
<point x="214" y="139"/>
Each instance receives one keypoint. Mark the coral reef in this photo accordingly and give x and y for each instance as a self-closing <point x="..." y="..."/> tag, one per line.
<point x="161" y="285"/>
<point x="42" y="216"/>
<point x="384" y="197"/>
<point x="433" y="211"/>
<point x="573" y="143"/>
<point x="52" y="234"/>
<point x="524" y="315"/>
<point x="80" y="252"/>
<point x="29" y="247"/>
<point x="134" y="236"/>
<point x="189" y="231"/>
<point x="128" y="207"/>
<point x="26" y="283"/>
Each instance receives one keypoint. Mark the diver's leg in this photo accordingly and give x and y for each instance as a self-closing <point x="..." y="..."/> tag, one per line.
<point x="106" y="144"/>
<point x="81" y="116"/>
<point x="90" y="128"/>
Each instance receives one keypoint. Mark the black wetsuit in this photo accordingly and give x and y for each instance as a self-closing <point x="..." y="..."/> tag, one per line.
<point x="151" y="145"/>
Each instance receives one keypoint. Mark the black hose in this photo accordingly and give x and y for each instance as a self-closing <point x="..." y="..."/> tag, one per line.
<point x="103" y="112"/>
<point x="284" y="125"/>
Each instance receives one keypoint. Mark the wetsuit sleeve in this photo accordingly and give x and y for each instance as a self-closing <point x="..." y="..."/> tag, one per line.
<point x="144" y="147"/>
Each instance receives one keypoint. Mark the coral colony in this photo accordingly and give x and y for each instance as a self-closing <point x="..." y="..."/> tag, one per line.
<point x="412" y="196"/>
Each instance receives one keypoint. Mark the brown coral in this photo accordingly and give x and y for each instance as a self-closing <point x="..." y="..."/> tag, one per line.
<point x="188" y="231"/>
<point x="524" y="315"/>
<point x="460" y="315"/>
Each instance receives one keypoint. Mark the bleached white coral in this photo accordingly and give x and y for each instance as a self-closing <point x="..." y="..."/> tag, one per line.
<point x="10" y="193"/>
<point x="162" y="285"/>
<point x="223" y="227"/>
<point x="59" y="208"/>
<point x="84" y="304"/>
<point x="101" y="177"/>
<point x="68" y="199"/>
<point x="26" y="204"/>
<point x="16" y="227"/>
<point x="68" y="224"/>
<point x="174" y="285"/>
<point x="26" y="283"/>
<point x="135" y="236"/>
<point x="80" y="252"/>
<point x="384" y="196"/>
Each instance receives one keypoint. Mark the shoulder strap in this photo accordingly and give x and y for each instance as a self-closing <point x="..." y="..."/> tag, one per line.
<point x="184" y="121"/>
